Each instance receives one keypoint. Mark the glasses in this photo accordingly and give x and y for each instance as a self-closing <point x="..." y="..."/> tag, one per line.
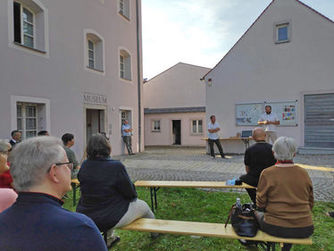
<point x="68" y="164"/>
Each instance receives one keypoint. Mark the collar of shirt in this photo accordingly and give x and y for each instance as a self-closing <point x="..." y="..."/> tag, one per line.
<point x="35" y="197"/>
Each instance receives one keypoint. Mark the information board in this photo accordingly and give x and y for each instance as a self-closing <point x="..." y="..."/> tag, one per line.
<point x="249" y="114"/>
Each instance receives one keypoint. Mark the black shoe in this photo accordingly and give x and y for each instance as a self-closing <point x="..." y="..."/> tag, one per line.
<point x="330" y="214"/>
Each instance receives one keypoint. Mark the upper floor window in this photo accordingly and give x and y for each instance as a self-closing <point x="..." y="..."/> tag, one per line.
<point x="282" y="32"/>
<point x="125" y="65"/>
<point x="29" y="25"/>
<point x="197" y="126"/>
<point x="124" y="8"/>
<point x="94" y="52"/>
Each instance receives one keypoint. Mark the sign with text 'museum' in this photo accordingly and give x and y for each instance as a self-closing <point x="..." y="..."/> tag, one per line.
<point x="95" y="99"/>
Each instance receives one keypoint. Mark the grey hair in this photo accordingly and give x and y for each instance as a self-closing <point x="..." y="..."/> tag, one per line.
<point x="31" y="159"/>
<point x="4" y="145"/>
<point x="284" y="148"/>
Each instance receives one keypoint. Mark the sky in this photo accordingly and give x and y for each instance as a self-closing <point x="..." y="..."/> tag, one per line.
<point x="199" y="32"/>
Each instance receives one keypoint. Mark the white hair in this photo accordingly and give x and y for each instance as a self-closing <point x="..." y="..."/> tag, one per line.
<point x="284" y="148"/>
<point x="4" y="145"/>
<point x="31" y="159"/>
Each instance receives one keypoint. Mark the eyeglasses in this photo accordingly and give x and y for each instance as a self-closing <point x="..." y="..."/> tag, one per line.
<point x="68" y="164"/>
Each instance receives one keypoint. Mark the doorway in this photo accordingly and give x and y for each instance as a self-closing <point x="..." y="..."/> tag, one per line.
<point x="176" y="132"/>
<point x="95" y="122"/>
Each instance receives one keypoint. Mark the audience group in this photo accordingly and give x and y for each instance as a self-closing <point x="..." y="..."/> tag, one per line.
<point x="40" y="169"/>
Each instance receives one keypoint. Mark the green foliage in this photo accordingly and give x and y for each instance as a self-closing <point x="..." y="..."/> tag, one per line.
<point x="206" y="206"/>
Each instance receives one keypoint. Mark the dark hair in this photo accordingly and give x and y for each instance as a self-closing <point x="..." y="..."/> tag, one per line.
<point x="98" y="146"/>
<point x="212" y="116"/>
<point x="13" y="132"/>
<point x="67" y="137"/>
<point x="43" y="133"/>
<point x="268" y="106"/>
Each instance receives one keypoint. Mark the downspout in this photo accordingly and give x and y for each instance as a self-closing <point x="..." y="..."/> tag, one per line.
<point x="138" y="75"/>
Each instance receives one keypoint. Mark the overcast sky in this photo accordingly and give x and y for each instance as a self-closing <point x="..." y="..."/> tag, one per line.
<point x="199" y="32"/>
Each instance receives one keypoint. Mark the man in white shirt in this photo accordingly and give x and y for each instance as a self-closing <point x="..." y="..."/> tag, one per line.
<point x="269" y="121"/>
<point x="213" y="128"/>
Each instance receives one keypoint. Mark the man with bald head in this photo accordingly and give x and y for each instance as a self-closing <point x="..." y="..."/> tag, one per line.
<point x="257" y="157"/>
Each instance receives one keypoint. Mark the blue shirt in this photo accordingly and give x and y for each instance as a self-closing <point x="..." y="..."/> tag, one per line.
<point x="37" y="222"/>
<point x="215" y="134"/>
<point x="126" y="127"/>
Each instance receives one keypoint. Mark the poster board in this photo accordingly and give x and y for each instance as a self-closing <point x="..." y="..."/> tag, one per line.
<point x="248" y="114"/>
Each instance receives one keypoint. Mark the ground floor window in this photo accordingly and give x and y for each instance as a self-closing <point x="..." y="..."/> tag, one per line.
<point x="197" y="126"/>
<point x="155" y="125"/>
<point x="27" y="115"/>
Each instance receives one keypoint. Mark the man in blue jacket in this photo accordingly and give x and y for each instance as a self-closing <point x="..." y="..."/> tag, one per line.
<point x="37" y="221"/>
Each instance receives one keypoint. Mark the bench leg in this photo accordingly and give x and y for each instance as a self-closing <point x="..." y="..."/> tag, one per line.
<point x="74" y="190"/>
<point x="271" y="246"/>
<point x="152" y="204"/>
<point x="155" y="197"/>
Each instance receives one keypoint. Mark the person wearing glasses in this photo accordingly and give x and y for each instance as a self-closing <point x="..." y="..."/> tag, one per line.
<point x="107" y="194"/>
<point x="37" y="221"/>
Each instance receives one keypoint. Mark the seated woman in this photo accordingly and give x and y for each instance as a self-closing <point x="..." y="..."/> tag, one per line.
<point x="107" y="194"/>
<point x="285" y="193"/>
<point x="5" y="176"/>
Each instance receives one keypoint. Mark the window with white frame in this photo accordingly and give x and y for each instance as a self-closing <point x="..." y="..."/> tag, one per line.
<point x="124" y="65"/>
<point x="282" y="32"/>
<point x="27" y="117"/>
<point x="95" y="52"/>
<point x="124" y="8"/>
<point x="155" y="125"/>
<point x="197" y="126"/>
<point x="29" y="24"/>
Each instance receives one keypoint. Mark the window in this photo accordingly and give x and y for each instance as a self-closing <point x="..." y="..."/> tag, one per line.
<point x="27" y="119"/>
<point x="94" y="50"/>
<point x="124" y="8"/>
<point x="197" y="126"/>
<point x="282" y="32"/>
<point x="125" y="65"/>
<point x="29" y="25"/>
<point x="156" y="126"/>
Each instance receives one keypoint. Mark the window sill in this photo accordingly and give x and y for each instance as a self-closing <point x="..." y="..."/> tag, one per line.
<point x="127" y="80"/>
<point x="155" y="131"/>
<point x="94" y="69"/>
<point x="282" y="42"/>
<point x="29" y="48"/>
<point x="125" y="17"/>
<point x="196" y="134"/>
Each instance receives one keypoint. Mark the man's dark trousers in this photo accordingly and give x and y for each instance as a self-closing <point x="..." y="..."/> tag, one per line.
<point x="212" y="151"/>
<point x="128" y="143"/>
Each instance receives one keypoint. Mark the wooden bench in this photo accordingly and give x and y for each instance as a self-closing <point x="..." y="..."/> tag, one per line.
<point x="155" y="185"/>
<point x="206" y="229"/>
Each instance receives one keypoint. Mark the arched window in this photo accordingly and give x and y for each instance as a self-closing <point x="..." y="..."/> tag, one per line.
<point x="94" y="52"/>
<point x="29" y="24"/>
<point x="125" y="65"/>
<point x="124" y="8"/>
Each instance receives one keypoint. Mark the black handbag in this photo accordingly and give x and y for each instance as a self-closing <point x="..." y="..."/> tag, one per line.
<point x="243" y="220"/>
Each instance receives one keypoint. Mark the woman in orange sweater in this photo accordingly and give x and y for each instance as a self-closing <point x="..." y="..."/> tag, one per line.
<point x="285" y="195"/>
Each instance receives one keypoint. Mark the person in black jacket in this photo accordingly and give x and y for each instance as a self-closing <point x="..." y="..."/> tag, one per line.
<point x="108" y="196"/>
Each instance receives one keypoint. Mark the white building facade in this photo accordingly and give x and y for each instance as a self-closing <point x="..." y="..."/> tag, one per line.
<point x="284" y="59"/>
<point x="71" y="67"/>
<point x="174" y="107"/>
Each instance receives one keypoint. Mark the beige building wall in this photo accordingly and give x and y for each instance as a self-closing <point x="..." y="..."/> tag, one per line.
<point x="175" y="94"/>
<point x="54" y="75"/>
<point x="257" y="69"/>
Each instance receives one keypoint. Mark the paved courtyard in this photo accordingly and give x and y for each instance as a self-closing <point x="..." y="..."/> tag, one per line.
<point x="181" y="163"/>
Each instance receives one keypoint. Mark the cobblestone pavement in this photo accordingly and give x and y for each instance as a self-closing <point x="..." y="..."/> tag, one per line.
<point x="181" y="163"/>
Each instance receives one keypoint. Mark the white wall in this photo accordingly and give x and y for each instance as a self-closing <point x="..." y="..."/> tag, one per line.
<point x="61" y="76"/>
<point x="257" y="69"/>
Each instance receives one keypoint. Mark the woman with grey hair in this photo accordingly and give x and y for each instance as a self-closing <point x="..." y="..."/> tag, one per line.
<point x="285" y="194"/>
<point x="107" y="194"/>
<point x="5" y="176"/>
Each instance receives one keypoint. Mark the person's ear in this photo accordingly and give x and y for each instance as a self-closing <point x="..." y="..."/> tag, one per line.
<point x="53" y="174"/>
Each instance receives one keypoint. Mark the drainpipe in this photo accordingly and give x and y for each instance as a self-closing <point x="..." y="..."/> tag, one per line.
<point x="138" y="74"/>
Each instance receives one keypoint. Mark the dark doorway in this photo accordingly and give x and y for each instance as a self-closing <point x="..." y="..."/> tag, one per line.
<point x="94" y="122"/>
<point x="176" y="132"/>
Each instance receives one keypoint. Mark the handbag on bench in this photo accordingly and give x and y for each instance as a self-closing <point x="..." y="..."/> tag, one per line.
<point x="243" y="220"/>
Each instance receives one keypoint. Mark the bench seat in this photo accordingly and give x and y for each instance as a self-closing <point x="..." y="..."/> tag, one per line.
<point x="203" y="229"/>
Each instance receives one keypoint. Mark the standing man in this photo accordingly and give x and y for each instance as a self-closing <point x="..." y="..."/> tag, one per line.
<point x="269" y="121"/>
<point x="213" y="137"/>
<point x="37" y="221"/>
<point x="126" y="135"/>
<point x="16" y="137"/>
<point x="68" y="141"/>
<point x="257" y="157"/>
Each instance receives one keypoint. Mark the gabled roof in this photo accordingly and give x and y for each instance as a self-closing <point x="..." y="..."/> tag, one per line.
<point x="173" y="67"/>
<point x="328" y="19"/>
